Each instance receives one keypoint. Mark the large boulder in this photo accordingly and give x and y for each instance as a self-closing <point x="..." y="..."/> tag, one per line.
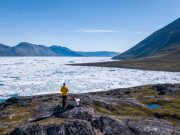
<point x="82" y="114"/>
<point x="36" y="129"/>
<point x="69" y="127"/>
<point x="152" y="126"/>
<point x="78" y="127"/>
<point x="8" y="102"/>
<point x="167" y="88"/>
<point x="112" y="126"/>
<point x="79" y="113"/>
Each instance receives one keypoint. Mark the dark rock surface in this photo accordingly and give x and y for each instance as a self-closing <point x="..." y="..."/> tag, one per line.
<point x="152" y="127"/>
<point x="167" y="88"/>
<point x="83" y="121"/>
<point x="10" y="101"/>
<point x="113" y="112"/>
<point x="70" y="127"/>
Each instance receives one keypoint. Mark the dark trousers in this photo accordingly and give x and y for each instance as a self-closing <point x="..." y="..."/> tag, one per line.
<point x="64" y="98"/>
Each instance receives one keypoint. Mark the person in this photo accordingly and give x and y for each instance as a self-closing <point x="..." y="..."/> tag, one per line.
<point x="64" y="92"/>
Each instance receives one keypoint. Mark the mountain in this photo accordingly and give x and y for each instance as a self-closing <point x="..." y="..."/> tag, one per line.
<point x="154" y="44"/>
<point x="28" y="49"/>
<point x="99" y="54"/>
<point x="5" y="50"/>
<point x="169" y="53"/>
<point x="63" y="51"/>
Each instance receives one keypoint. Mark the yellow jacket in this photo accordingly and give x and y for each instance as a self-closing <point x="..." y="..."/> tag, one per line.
<point x="64" y="91"/>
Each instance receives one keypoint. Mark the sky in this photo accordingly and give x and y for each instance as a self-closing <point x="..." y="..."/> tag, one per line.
<point x="84" y="25"/>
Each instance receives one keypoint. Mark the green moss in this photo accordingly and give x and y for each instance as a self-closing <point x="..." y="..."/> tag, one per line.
<point x="147" y="101"/>
<point x="133" y="111"/>
<point x="170" y="105"/>
<point x="21" y="114"/>
<point x="14" y="119"/>
<point x="122" y="110"/>
<point x="51" y="121"/>
<point x="144" y="92"/>
<point x="2" y="130"/>
<point x="102" y="110"/>
<point x="7" y="130"/>
<point x="169" y="110"/>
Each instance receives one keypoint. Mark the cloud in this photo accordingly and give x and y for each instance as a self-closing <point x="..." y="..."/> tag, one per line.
<point x="29" y="34"/>
<point x="105" y="31"/>
<point x="95" y="31"/>
<point x="140" y="32"/>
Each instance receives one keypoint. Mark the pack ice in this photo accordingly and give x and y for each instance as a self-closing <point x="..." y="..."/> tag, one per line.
<point x="40" y="75"/>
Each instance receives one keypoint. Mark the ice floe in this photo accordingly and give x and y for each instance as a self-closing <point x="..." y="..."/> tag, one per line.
<point x="41" y="75"/>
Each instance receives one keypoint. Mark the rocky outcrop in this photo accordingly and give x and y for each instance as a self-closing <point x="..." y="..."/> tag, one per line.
<point x="167" y="88"/>
<point x="152" y="126"/>
<point x="70" y="127"/>
<point x="8" y="102"/>
<point x="84" y="121"/>
<point x="114" y="112"/>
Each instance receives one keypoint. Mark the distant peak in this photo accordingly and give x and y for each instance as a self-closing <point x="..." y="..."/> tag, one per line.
<point x="24" y="43"/>
<point x="61" y="47"/>
<point x="2" y="45"/>
<point x="55" y="46"/>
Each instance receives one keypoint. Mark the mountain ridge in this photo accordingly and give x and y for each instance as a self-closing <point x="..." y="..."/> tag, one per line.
<point x="29" y="49"/>
<point x="165" y="37"/>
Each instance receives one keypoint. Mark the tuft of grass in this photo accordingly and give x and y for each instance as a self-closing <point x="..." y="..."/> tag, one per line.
<point x="2" y="130"/>
<point x="122" y="110"/>
<point x="50" y="121"/>
<point x="169" y="105"/>
<point x="169" y="110"/>
<point x="146" y="91"/>
<point x="14" y="119"/>
<point x="21" y="114"/>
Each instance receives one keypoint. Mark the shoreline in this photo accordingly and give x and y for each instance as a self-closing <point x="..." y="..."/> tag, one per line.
<point x="3" y="100"/>
<point x="143" y="64"/>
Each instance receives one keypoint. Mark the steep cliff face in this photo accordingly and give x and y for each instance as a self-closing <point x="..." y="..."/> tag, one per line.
<point x="166" y="37"/>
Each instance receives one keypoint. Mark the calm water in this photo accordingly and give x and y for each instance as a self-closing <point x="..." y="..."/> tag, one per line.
<point x="153" y="106"/>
